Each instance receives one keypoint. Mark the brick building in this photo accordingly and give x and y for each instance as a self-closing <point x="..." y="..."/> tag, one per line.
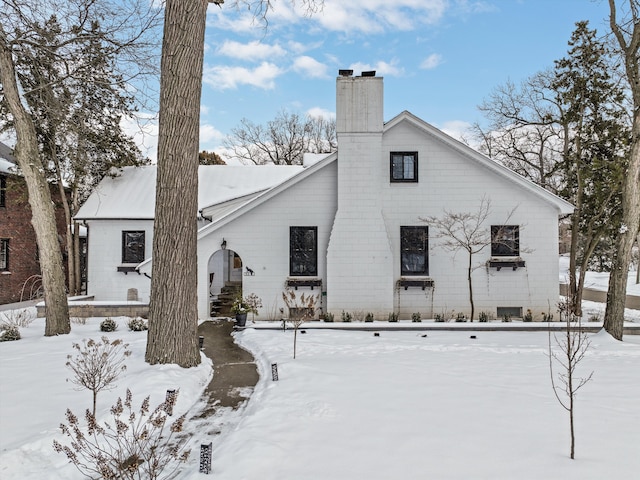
<point x="19" y="264"/>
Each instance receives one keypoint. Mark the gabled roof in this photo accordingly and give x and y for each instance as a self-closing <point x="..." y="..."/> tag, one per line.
<point x="131" y="195"/>
<point x="564" y="207"/>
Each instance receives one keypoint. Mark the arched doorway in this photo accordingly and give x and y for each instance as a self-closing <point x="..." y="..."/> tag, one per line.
<point x="224" y="272"/>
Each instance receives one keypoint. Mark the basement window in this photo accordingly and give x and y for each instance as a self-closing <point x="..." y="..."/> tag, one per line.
<point x="404" y="167"/>
<point x="511" y="312"/>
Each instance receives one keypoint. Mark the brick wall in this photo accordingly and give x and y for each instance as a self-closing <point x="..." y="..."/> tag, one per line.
<point x="15" y="225"/>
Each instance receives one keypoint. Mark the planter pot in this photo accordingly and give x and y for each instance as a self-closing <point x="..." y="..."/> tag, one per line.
<point x="241" y="319"/>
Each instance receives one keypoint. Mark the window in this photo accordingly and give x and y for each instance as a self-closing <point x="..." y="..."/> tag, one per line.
<point x="132" y="247"/>
<point x="303" y="251"/>
<point x="4" y="254"/>
<point x="505" y="240"/>
<point x="414" y="248"/>
<point x="3" y="191"/>
<point x="404" y="166"/>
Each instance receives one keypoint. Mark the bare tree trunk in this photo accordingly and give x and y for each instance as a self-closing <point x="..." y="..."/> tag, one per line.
<point x="173" y="313"/>
<point x="629" y="41"/>
<point x="42" y="211"/>
<point x="68" y="230"/>
<point x="469" y="272"/>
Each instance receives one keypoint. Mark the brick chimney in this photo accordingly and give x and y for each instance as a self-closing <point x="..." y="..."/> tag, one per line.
<point x="359" y="257"/>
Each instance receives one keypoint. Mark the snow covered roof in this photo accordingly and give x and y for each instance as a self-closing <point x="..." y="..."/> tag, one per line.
<point x="131" y="195"/>
<point x="7" y="161"/>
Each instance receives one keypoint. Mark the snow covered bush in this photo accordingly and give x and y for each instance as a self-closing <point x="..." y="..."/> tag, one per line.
<point x="483" y="317"/>
<point x="20" y="318"/>
<point x="108" y="325"/>
<point x="328" y="317"/>
<point x="134" y="445"/>
<point x="415" y="317"/>
<point x="393" y="317"/>
<point x="346" y="317"/>
<point x="368" y="317"/>
<point x="138" y="324"/>
<point x="9" y="333"/>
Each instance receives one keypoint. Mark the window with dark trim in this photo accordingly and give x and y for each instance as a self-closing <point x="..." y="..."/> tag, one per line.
<point x="4" y="254"/>
<point x="414" y="250"/>
<point x="3" y="191"/>
<point x="505" y="240"/>
<point x="303" y="251"/>
<point x="132" y="246"/>
<point x="403" y="166"/>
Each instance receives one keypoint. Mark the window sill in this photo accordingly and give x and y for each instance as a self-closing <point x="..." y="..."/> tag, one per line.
<point x="506" y="262"/>
<point x="309" y="282"/>
<point x="5" y="272"/>
<point x="128" y="268"/>
<point x="416" y="282"/>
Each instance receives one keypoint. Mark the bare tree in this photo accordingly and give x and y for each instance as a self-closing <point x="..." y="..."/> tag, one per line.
<point x="173" y="313"/>
<point x="283" y="140"/>
<point x="570" y="351"/>
<point x="301" y="309"/>
<point x="466" y="231"/>
<point x="627" y="34"/>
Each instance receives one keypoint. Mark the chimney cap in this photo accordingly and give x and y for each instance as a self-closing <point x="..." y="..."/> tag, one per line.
<point x="345" y="73"/>
<point x="370" y="73"/>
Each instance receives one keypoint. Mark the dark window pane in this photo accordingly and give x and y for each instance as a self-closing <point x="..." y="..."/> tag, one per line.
<point x="404" y="166"/>
<point x="303" y="251"/>
<point x="3" y="190"/>
<point x="4" y="254"/>
<point x="414" y="250"/>
<point x="132" y="247"/>
<point x="505" y="240"/>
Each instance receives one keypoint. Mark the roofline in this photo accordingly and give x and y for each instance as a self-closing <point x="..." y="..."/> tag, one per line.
<point x="564" y="207"/>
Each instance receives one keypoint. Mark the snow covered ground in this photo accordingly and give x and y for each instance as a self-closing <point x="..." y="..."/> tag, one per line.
<point x="353" y="406"/>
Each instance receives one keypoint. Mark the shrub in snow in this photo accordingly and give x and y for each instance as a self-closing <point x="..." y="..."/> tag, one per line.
<point x="79" y="320"/>
<point x="97" y="365"/>
<point x="138" y="324"/>
<point x="506" y="318"/>
<point x="20" y="318"/>
<point x="528" y="317"/>
<point x="9" y="333"/>
<point x="415" y="317"/>
<point x="439" y="318"/>
<point x="368" y="317"/>
<point x="393" y="317"/>
<point x="328" y="317"/>
<point x="594" y="318"/>
<point x="483" y="317"/>
<point x="346" y="317"/>
<point x="134" y="445"/>
<point x="108" y="325"/>
<point x="301" y="309"/>
<point x="461" y="317"/>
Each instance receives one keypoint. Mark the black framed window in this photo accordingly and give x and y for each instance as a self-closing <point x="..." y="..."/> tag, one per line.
<point x="303" y="251"/>
<point x="4" y="254"/>
<point x="404" y="166"/>
<point x="414" y="250"/>
<point x="505" y="240"/>
<point x="3" y="191"/>
<point x="132" y="246"/>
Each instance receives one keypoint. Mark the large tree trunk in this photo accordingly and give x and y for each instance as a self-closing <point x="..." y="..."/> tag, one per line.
<point x="616" y="295"/>
<point x="173" y="313"/>
<point x="42" y="210"/>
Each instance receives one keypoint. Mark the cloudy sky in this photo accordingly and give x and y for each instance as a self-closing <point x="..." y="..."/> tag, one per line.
<point x="439" y="58"/>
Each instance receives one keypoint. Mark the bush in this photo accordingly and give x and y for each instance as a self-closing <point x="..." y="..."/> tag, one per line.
<point x="506" y="318"/>
<point x="78" y="320"/>
<point x="439" y="318"/>
<point x="528" y="317"/>
<point x="134" y="445"/>
<point x="346" y="317"/>
<point x="20" y="318"/>
<point x="393" y="317"/>
<point x="138" y="324"/>
<point x="328" y="317"/>
<point x="461" y="317"/>
<point x="483" y="317"/>
<point x="368" y="317"/>
<point x="358" y="316"/>
<point x="10" y="333"/>
<point x="108" y="325"/>
<point x="415" y="317"/>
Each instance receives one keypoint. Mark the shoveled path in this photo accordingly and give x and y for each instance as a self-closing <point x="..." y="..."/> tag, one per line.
<point x="234" y="370"/>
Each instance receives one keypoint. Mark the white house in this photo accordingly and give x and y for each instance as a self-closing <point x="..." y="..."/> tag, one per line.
<point x="349" y="228"/>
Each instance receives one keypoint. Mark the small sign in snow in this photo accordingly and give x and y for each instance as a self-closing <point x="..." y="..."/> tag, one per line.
<point x="274" y="372"/>
<point x="205" y="458"/>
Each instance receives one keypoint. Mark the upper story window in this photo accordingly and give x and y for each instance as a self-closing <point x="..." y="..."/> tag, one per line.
<point x="3" y="191"/>
<point x="4" y="254"/>
<point x="303" y="251"/>
<point x="505" y="240"/>
<point x="414" y="250"/>
<point x="404" y="166"/>
<point x="132" y="246"/>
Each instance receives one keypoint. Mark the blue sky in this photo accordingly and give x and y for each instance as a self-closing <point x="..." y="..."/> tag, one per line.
<point x="439" y="58"/>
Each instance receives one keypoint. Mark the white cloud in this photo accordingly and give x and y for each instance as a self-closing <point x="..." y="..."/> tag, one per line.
<point x="431" y="62"/>
<point x="143" y="128"/>
<point x="209" y="134"/>
<point x="252" y="51"/>
<point x="458" y="129"/>
<point x="381" y="68"/>
<point x="228" y="77"/>
<point x="320" y="112"/>
<point x="310" y="67"/>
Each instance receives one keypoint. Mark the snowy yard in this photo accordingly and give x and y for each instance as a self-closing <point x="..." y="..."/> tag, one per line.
<point x="406" y="404"/>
